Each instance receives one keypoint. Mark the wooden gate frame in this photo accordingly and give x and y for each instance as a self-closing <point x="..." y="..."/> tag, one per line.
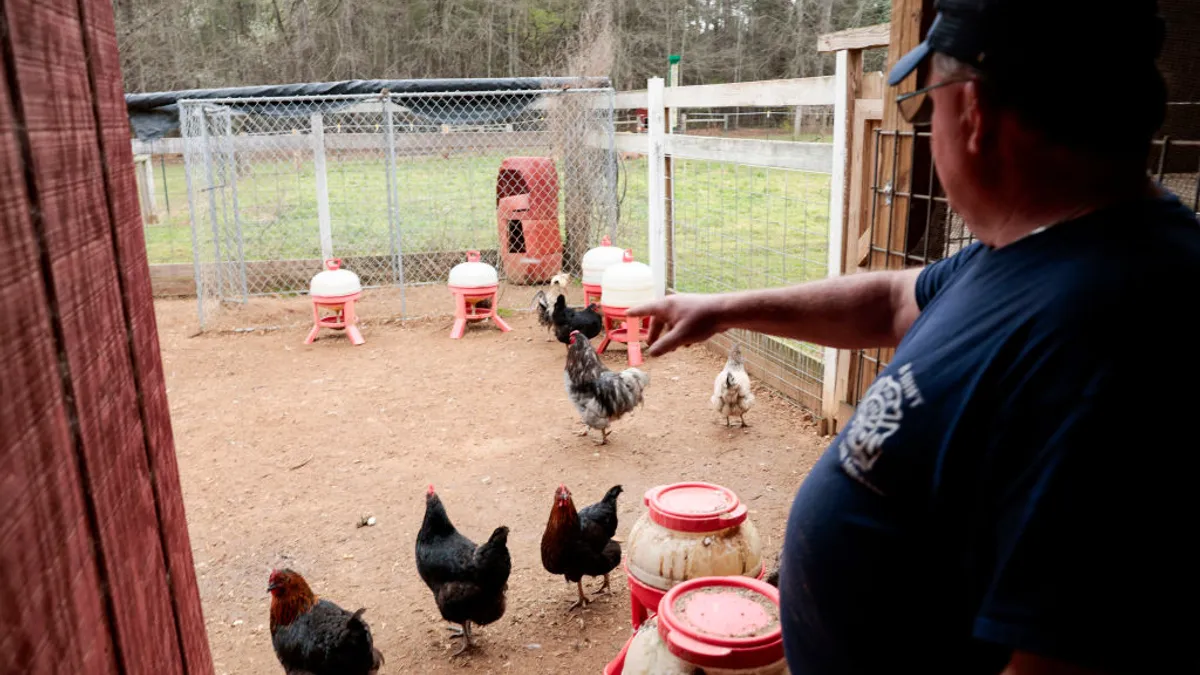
<point x="874" y="128"/>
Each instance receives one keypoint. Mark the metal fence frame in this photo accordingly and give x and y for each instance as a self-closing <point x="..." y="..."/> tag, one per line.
<point x="325" y="163"/>
<point x="759" y="217"/>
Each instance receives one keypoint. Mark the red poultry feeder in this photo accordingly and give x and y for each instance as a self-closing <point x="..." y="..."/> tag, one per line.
<point x="474" y="285"/>
<point x="531" y="246"/>
<point x="689" y="530"/>
<point x="335" y="290"/>
<point x="626" y="285"/>
<point x="725" y="624"/>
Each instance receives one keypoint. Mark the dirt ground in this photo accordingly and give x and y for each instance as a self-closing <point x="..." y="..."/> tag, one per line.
<point x="283" y="448"/>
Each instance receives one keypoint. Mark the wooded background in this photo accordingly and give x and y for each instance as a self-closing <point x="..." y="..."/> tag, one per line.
<point x="169" y="44"/>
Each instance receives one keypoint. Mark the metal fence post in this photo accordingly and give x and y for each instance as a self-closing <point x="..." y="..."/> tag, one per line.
<point x="393" y="201"/>
<point x="187" y="116"/>
<point x="655" y="185"/>
<point x="231" y="165"/>
<point x="211" y="189"/>
<point x="324" y="222"/>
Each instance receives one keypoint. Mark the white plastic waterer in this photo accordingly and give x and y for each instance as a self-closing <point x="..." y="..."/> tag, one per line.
<point x="624" y="285"/>
<point x="595" y="262"/>
<point x="335" y="290"/>
<point x="474" y="284"/>
<point x="627" y="284"/>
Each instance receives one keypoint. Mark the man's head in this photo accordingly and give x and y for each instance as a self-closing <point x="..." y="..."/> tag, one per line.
<point x="1017" y="85"/>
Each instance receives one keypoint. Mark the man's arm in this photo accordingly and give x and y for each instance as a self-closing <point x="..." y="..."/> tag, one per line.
<point x="872" y="309"/>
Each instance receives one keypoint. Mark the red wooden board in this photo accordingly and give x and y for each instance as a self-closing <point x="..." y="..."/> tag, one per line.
<point x="94" y="524"/>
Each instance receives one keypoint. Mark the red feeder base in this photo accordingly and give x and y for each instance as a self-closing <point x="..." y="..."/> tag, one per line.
<point x="619" y="329"/>
<point x="344" y="319"/>
<point x="591" y="293"/>
<point x="466" y="308"/>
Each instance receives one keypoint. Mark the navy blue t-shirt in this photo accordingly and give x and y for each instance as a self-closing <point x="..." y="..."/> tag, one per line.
<point x="1020" y="477"/>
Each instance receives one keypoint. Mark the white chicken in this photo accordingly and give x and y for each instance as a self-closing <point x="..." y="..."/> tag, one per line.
<point x="731" y="389"/>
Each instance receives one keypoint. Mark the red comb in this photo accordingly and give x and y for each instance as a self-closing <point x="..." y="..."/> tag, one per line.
<point x="430" y="489"/>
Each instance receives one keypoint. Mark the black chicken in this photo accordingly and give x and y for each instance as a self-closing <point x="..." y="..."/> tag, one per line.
<point x="580" y="543"/>
<point x="567" y="320"/>
<point x="317" y="637"/>
<point x="468" y="581"/>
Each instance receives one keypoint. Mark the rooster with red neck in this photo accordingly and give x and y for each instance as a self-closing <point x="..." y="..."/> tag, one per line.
<point x="314" y="636"/>
<point x="580" y="543"/>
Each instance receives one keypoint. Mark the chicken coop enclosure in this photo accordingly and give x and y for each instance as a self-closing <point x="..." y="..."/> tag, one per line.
<point x="400" y="185"/>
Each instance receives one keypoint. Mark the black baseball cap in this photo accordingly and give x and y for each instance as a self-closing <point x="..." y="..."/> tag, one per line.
<point x="1015" y="40"/>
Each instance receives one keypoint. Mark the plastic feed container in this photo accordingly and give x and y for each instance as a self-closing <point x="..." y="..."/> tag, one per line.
<point x="334" y="282"/>
<point x="627" y="284"/>
<point x="473" y="273"/>
<point x="692" y="530"/>
<point x="723" y="625"/>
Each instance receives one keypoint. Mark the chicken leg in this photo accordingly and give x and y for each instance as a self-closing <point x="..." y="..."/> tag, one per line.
<point x="583" y="600"/>
<point x="603" y="587"/>
<point x="465" y="634"/>
<point x="743" y="419"/>
<point x="604" y="437"/>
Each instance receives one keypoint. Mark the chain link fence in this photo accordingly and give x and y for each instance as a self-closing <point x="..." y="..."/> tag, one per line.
<point x="398" y="186"/>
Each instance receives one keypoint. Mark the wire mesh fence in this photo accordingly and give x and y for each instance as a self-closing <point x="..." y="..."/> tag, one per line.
<point x="398" y="186"/>
<point x="807" y="123"/>
<point x="739" y="227"/>
<point x="924" y="228"/>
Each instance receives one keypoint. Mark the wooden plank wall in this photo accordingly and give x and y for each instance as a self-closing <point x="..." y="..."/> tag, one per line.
<point x="95" y="560"/>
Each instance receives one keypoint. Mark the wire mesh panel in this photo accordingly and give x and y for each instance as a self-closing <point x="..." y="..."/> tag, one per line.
<point x="399" y="186"/>
<point x="912" y="223"/>
<point x="738" y="227"/>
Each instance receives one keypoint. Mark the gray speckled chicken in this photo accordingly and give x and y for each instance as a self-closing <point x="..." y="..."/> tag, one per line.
<point x="600" y="395"/>
<point x="731" y="389"/>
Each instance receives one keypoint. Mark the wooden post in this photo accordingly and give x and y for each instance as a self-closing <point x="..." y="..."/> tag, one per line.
<point x="95" y="556"/>
<point x="656" y="184"/>
<point x="848" y="85"/>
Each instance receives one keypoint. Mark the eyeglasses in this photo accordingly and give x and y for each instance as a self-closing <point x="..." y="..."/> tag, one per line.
<point x="916" y="107"/>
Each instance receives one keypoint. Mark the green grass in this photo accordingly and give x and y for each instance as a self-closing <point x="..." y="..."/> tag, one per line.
<point x="736" y="227"/>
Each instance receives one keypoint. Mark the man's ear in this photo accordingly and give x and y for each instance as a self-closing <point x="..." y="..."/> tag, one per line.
<point x="976" y="121"/>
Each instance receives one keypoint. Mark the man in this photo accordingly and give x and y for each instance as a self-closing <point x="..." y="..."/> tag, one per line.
<point x="1014" y="493"/>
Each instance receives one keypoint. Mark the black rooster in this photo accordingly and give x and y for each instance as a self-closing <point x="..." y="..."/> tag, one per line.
<point x="580" y="543"/>
<point x="317" y="637"/>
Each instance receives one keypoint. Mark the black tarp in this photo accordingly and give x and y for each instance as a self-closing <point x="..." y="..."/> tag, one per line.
<point x="154" y="115"/>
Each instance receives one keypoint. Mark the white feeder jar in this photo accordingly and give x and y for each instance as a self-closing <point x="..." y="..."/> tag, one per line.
<point x="627" y="284"/>
<point x="692" y="530"/>
<point x="595" y="262"/>
<point x="716" y="625"/>
<point x="473" y="273"/>
<point x="334" y="282"/>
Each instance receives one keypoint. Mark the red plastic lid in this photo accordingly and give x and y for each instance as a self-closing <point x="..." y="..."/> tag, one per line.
<point x="605" y="241"/>
<point x="722" y="622"/>
<point x="627" y="256"/>
<point x="694" y="507"/>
